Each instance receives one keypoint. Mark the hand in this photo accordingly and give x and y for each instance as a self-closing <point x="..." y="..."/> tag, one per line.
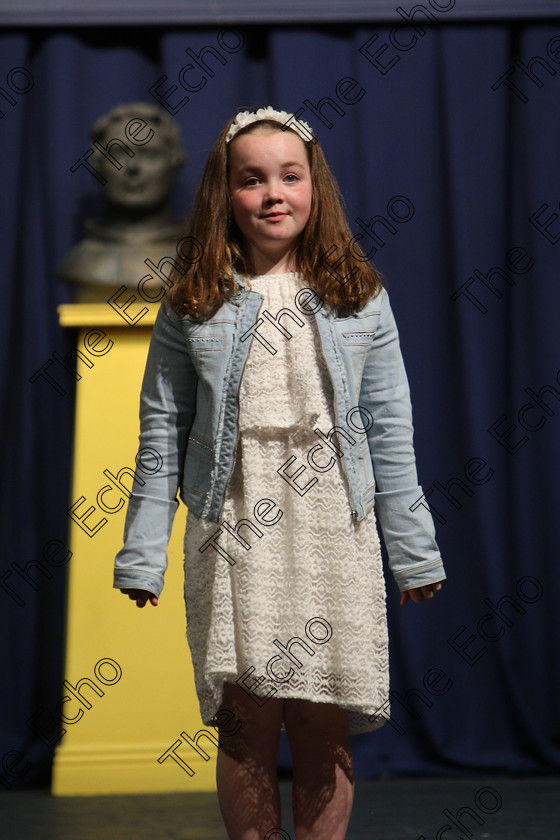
<point x="420" y="593"/>
<point x="141" y="597"/>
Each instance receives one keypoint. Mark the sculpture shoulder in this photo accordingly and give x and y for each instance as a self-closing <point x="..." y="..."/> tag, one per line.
<point x="104" y="258"/>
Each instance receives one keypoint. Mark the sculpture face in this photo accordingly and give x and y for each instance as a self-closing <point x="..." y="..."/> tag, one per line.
<point x="137" y="150"/>
<point x="146" y="178"/>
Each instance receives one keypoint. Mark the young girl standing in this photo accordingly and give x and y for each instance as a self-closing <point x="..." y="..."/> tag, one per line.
<point x="276" y="399"/>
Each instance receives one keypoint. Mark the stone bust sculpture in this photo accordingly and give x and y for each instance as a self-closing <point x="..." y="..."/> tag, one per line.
<point x="136" y="155"/>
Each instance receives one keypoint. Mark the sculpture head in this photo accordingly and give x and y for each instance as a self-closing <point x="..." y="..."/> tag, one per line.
<point x="148" y="170"/>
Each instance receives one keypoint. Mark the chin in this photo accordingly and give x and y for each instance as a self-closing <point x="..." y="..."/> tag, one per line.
<point x="139" y="203"/>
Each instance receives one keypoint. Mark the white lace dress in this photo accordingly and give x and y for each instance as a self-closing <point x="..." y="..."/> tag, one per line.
<point x="310" y="561"/>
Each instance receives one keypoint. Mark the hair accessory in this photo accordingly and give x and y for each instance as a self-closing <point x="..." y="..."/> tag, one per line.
<point x="245" y="118"/>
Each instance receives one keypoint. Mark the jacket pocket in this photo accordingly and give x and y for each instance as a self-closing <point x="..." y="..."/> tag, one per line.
<point x="209" y="347"/>
<point x="359" y="338"/>
<point x="203" y="343"/>
<point x="358" y="331"/>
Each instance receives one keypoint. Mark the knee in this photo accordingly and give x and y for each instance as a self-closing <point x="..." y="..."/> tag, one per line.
<point x="245" y="726"/>
<point x="249" y="714"/>
<point x="319" y="739"/>
<point x="319" y="720"/>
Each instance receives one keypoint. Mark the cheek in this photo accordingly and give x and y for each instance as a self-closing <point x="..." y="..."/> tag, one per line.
<point x="235" y="209"/>
<point x="305" y="204"/>
<point x="242" y="207"/>
<point x="159" y="168"/>
<point x="239" y="214"/>
<point x="160" y="178"/>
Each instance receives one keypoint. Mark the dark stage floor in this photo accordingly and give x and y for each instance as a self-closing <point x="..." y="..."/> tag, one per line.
<point x="489" y="808"/>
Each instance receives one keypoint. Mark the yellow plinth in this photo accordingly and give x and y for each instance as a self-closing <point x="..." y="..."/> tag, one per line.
<point x="114" y="745"/>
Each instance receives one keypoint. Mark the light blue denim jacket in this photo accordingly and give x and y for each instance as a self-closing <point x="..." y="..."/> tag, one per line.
<point x="189" y="428"/>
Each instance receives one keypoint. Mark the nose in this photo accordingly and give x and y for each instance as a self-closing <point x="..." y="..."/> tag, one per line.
<point x="131" y="166"/>
<point x="273" y="192"/>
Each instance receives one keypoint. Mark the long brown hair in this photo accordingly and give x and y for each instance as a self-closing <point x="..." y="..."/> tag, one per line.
<point x="200" y="288"/>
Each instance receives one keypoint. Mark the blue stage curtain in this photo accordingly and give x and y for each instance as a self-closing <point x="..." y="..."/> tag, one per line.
<point x="452" y="142"/>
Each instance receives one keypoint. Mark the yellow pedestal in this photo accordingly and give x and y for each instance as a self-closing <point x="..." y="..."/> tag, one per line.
<point x="114" y="746"/>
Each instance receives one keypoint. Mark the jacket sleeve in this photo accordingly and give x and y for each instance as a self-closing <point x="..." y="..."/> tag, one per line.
<point x="408" y="528"/>
<point x="167" y="409"/>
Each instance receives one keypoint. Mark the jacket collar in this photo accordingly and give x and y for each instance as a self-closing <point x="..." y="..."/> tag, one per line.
<point x="245" y="290"/>
<point x="239" y="279"/>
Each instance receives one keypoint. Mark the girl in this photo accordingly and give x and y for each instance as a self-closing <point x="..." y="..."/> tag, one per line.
<point x="276" y="401"/>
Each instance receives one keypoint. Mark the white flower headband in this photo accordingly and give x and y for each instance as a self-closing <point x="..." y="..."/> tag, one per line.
<point x="245" y="118"/>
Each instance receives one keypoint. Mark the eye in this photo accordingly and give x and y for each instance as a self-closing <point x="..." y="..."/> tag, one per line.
<point x="291" y="175"/>
<point x="147" y="153"/>
<point x="251" y="182"/>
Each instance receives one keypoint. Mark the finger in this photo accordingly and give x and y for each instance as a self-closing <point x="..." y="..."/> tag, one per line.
<point x="404" y="597"/>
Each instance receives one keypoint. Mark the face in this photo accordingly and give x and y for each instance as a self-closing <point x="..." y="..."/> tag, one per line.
<point x="145" y="178"/>
<point x="270" y="190"/>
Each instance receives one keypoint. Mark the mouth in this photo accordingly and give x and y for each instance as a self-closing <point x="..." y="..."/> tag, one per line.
<point x="273" y="216"/>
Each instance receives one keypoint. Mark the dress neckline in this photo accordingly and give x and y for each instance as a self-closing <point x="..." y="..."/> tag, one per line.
<point x="251" y="277"/>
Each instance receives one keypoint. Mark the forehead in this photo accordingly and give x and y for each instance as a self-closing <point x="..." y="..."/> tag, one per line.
<point x="267" y="147"/>
<point x="117" y="129"/>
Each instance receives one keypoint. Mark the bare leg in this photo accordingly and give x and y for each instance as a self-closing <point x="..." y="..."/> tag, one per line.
<point x="323" y="773"/>
<point x="246" y="776"/>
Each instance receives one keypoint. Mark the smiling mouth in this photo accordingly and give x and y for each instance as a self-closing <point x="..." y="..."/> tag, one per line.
<point x="275" y="215"/>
